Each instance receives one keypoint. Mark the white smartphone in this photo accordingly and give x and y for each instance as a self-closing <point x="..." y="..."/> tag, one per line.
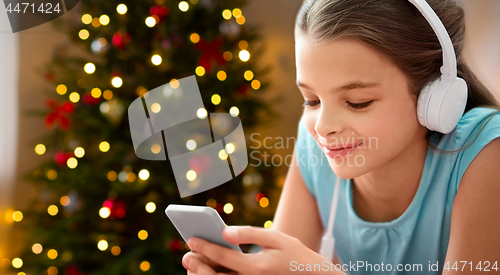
<point x="199" y="221"/>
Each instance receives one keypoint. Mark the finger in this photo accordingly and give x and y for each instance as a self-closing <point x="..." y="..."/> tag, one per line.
<point x="232" y="259"/>
<point x="204" y="259"/>
<point x="195" y="266"/>
<point x="217" y="267"/>
<point x="254" y="235"/>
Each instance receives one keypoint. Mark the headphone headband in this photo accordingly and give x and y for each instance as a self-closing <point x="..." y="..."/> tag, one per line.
<point x="449" y="68"/>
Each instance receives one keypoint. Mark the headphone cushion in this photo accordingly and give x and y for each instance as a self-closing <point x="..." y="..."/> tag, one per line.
<point x="423" y="102"/>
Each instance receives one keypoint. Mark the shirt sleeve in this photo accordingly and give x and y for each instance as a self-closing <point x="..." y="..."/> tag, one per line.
<point x="480" y="136"/>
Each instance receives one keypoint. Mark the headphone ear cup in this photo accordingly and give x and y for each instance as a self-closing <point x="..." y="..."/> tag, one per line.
<point x="423" y="102"/>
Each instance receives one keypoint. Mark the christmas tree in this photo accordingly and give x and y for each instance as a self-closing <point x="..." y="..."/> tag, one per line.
<point x="100" y="208"/>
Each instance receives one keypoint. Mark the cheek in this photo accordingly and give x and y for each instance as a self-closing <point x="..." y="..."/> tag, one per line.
<point x="310" y="122"/>
<point x="393" y="125"/>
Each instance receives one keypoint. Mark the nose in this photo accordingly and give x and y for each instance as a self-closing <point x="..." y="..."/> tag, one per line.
<point x="328" y="123"/>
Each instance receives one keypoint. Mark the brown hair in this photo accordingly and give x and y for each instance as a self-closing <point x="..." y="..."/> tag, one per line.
<point x="398" y="30"/>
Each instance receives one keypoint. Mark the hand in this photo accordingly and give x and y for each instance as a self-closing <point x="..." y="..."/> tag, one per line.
<point x="279" y="250"/>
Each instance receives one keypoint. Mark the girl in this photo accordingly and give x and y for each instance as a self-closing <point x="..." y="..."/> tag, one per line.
<point x="411" y="199"/>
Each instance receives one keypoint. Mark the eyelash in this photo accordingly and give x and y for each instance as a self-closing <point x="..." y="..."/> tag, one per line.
<point x="356" y="106"/>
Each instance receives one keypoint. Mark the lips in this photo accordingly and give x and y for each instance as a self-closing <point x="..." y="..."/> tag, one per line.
<point x="337" y="151"/>
<point x="340" y="147"/>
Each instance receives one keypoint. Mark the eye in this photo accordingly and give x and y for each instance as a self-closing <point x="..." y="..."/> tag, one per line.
<point x="359" y="105"/>
<point x="310" y="103"/>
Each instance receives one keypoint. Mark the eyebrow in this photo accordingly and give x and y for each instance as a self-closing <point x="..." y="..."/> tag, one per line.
<point x="349" y="86"/>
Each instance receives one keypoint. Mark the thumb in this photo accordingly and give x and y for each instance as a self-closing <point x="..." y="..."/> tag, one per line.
<point x="253" y="235"/>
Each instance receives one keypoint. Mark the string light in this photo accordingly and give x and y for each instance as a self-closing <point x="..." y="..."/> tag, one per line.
<point x="221" y="75"/>
<point x="61" y="89"/>
<point x="211" y="203"/>
<point x="156" y="148"/>
<point x="115" y="250"/>
<point x="150" y="21"/>
<point x="200" y="71"/>
<point x="191" y="175"/>
<point x="95" y="22"/>
<point x="222" y="154"/>
<point x="156" y="59"/>
<point x="240" y="20"/>
<point x="194" y="37"/>
<point x="53" y="210"/>
<point x="183" y="6"/>
<point x="131" y="177"/>
<point x="145" y="266"/>
<point x="144" y="174"/>
<point x="155" y="108"/>
<point x="37" y="248"/>
<point x="248" y="75"/>
<point x="151" y="207"/>
<point x="244" y="55"/>
<point x="65" y="200"/>
<point x="40" y="149"/>
<point x="104" y="212"/>
<point x="96" y="92"/>
<point x="243" y="44"/>
<point x="117" y="82"/>
<point x="227" y="56"/>
<point x="268" y="224"/>
<point x="83" y="34"/>
<point x="86" y="19"/>
<point x="52" y="270"/>
<point x="237" y="13"/>
<point x="174" y="83"/>
<point x="234" y="111"/>
<point x="17" y="216"/>
<point x="216" y="99"/>
<point x="104" y="146"/>
<point x="191" y="144"/>
<point x="264" y="202"/>
<point x="17" y="263"/>
<point x="230" y="148"/>
<point x="121" y="9"/>
<point x="104" y="19"/>
<point x="202" y="113"/>
<point x="228" y="208"/>
<point x="143" y="234"/>
<point x="112" y="176"/>
<point x="102" y="245"/>
<point x="72" y="163"/>
<point x="79" y="152"/>
<point x="255" y="84"/>
<point x="89" y="68"/>
<point x="52" y="254"/>
<point x="107" y="94"/>
<point x="74" y="97"/>
<point x="226" y="14"/>
<point x="51" y="174"/>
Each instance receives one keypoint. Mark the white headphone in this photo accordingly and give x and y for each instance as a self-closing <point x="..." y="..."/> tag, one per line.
<point x="441" y="104"/>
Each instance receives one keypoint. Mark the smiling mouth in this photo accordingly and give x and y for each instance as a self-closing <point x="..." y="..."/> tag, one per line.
<point x="338" y="148"/>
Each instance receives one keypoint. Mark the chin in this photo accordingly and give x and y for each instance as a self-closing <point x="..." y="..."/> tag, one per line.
<point x="346" y="170"/>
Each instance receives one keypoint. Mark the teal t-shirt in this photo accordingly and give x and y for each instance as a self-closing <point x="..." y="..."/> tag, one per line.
<point x="418" y="239"/>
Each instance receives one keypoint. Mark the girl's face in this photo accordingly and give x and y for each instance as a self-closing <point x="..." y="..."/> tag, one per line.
<point x="355" y="95"/>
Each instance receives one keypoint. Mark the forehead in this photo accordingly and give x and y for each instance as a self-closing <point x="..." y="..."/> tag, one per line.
<point x="340" y="59"/>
